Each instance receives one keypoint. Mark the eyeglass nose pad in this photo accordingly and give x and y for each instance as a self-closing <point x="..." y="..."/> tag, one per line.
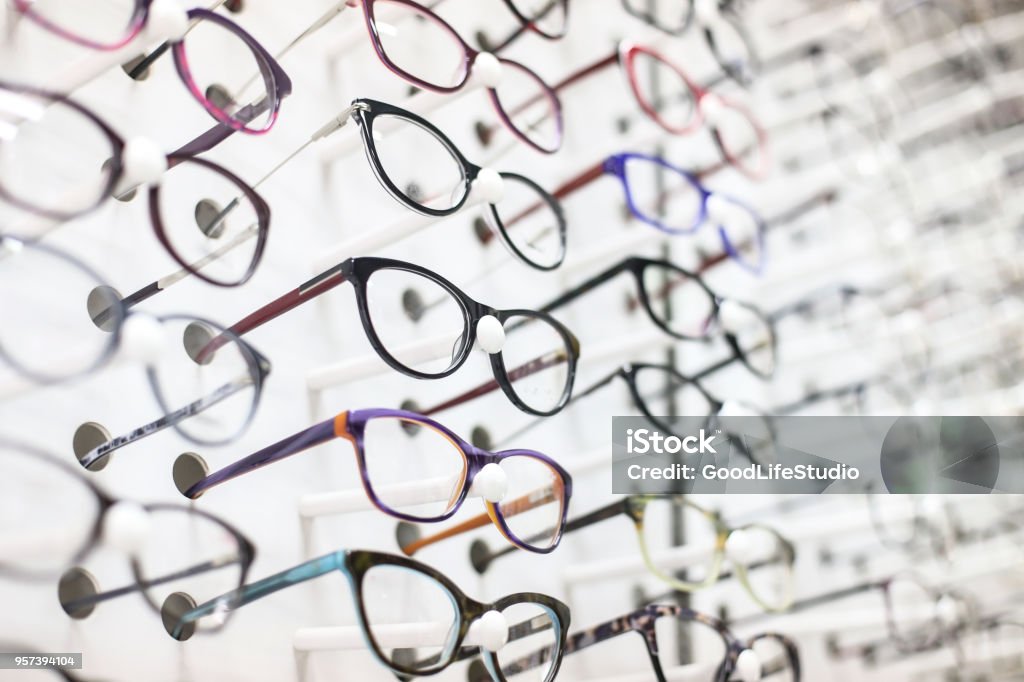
<point x="490" y="335"/>
<point x="491" y="630"/>
<point x="143" y="339"/>
<point x="487" y="71"/>
<point x="126" y="526"/>
<point x="748" y="666"/>
<point x="491" y="483"/>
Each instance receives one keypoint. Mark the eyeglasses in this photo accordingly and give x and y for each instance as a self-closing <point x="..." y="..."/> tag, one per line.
<point x="392" y="591"/>
<point x="689" y="310"/>
<point x="201" y="76"/>
<point x="45" y="543"/>
<point x="680" y="106"/>
<point x="748" y="332"/>
<point x="527" y="493"/>
<point x="438" y="184"/>
<point x="402" y="31"/>
<point x="725" y="36"/>
<point x="444" y="334"/>
<point x="674" y="201"/>
<point x="218" y="236"/>
<point x="547" y="18"/>
<point x="760" y="557"/>
<point x="678" y="637"/>
<point x="113" y="28"/>
<point x="181" y="379"/>
<point x="917" y="616"/>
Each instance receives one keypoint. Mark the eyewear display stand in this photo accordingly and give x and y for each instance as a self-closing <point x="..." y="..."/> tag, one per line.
<point x="491" y="632"/>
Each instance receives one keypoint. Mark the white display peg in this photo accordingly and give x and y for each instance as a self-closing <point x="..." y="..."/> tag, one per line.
<point x="168" y="21"/>
<point x="490" y="335"/>
<point x="624" y="348"/>
<point x="487" y="188"/>
<point x="489" y="631"/>
<point x="693" y="672"/>
<point x="366" y="366"/>
<point x="748" y="666"/>
<point x="629" y="242"/>
<point x="144" y="164"/>
<point x="491" y="483"/>
<point x="438" y="489"/>
<point x="422" y="103"/>
<point x="126" y="527"/>
<point x="676" y="558"/>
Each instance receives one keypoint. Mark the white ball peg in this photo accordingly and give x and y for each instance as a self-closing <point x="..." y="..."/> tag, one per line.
<point x="143" y="339"/>
<point x="740" y="547"/>
<point x="948" y="610"/>
<point x="748" y="666"/>
<point x="490" y="334"/>
<point x="168" y="20"/>
<point x="491" y="483"/>
<point x="144" y="163"/>
<point x="126" y="527"/>
<point x="733" y="316"/>
<point x="707" y="12"/>
<point x="489" y="185"/>
<point x="487" y="70"/>
<point x="493" y="630"/>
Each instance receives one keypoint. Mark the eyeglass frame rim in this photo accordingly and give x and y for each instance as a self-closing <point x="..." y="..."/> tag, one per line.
<point x="358" y="271"/>
<point x="470" y="55"/>
<point x="475" y="458"/>
<point x="106" y="501"/>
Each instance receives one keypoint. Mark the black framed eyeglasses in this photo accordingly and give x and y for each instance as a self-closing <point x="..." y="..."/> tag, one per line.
<point x="684" y="307"/>
<point x="439" y="341"/>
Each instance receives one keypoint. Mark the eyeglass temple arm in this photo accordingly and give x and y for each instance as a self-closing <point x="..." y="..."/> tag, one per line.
<point x="220" y="132"/>
<point x="818" y="600"/>
<point x="586" y="71"/>
<point x="572" y="400"/>
<point x="481" y="560"/>
<point x="292" y="445"/>
<point x="222" y="393"/>
<point x="153" y="288"/>
<point x="519" y="505"/>
<point x="573" y="643"/>
<point x="247" y="594"/>
<point x="99" y="597"/>
<point x="538" y="364"/>
<point x="586" y="286"/>
<point x="320" y="284"/>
